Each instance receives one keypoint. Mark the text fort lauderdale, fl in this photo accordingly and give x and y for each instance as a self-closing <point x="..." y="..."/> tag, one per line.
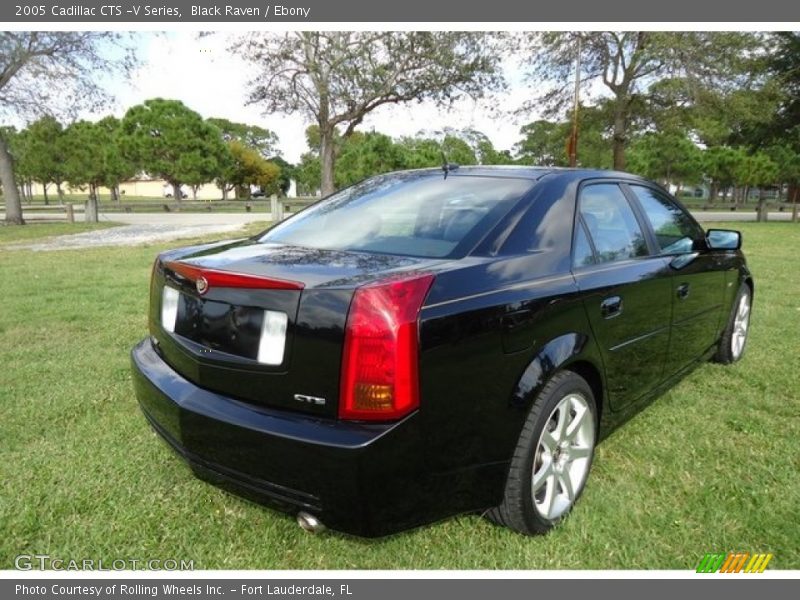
<point x="277" y="10"/>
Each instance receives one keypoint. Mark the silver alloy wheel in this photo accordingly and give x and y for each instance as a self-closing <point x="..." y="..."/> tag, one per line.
<point x="741" y="323"/>
<point x="563" y="455"/>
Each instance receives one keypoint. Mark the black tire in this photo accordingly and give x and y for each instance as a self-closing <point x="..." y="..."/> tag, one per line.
<point x="727" y="352"/>
<point x="518" y="510"/>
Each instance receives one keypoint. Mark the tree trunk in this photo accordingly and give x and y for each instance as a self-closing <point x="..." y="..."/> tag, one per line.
<point x="620" y="133"/>
<point x="13" y="205"/>
<point x="762" y="206"/>
<point x="327" y="159"/>
<point x="114" y="193"/>
<point x="177" y="194"/>
<point x="713" y="191"/>
<point x="91" y="211"/>
<point x="60" y="193"/>
<point x="194" y="193"/>
<point x="224" y="192"/>
<point x="46" y="199"/>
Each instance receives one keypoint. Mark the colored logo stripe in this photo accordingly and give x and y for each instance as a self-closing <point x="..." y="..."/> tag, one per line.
<point x="733" y="562"/>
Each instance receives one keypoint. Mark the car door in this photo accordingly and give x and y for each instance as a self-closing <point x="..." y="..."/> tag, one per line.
<point x="698" y="280"/>
<point x="627" y="289"/>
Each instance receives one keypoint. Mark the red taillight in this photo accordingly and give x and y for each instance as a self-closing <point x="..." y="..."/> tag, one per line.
<point x="215" y="278"/>
<point x="379" y="366"/>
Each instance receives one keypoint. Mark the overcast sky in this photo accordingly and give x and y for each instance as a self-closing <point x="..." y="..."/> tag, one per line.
<point x="209" y="79"/>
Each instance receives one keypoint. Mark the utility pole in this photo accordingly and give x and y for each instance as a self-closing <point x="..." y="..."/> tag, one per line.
<point x="572" y="150"/>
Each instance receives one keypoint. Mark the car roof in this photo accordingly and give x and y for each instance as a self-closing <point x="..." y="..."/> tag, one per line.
<point x="527" y="172"/>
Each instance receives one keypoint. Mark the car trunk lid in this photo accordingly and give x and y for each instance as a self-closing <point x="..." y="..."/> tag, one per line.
<point x="227" y="298"/>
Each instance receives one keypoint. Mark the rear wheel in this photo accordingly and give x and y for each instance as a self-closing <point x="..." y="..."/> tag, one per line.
<point x="552" y="459"/>
<point x="734" y="338"/>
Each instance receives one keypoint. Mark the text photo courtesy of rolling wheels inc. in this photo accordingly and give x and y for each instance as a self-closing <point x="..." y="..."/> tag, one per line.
<point x="402" y="299"/>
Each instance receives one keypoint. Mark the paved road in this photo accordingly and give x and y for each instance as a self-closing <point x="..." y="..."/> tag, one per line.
<point x="182" y="219"/>
<point x="175" y="219"/>
<point x="739" y="215"/>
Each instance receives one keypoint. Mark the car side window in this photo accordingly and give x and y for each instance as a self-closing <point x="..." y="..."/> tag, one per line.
<point x="611" y="223"/>
<point x="583" y="254"/>
<point x="675" y="231"/>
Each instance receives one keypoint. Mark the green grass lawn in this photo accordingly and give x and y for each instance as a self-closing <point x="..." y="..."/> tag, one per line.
<point x="710" y="466"/>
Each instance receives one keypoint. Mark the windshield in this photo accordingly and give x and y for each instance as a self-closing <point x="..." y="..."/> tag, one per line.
<point x="412" y="214"/>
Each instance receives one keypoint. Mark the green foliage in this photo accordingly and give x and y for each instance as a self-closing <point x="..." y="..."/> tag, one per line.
<point x="166" y="139"/>
<point x="362" y="155"/>
<point x="721" y="164"/>
<point x="544" y="142"/>
<point x="366" y="154"/>
<point x="784" y="65"/>
<point x="669" y="157"/>
<point x="264" y="141"/>
<point x="40" y="151"/>
<point x="627" y="64"/>
<point x="85" y="161"/>
<point x="245" y="167"/>
<point x="115" y="166"/>
<point x="756" y="169"/>
<point x="308" y="174"/>
<point x="286" y="175"/>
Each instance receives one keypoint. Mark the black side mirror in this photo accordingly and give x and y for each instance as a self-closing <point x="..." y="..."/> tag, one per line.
<point x="723" y="239"/>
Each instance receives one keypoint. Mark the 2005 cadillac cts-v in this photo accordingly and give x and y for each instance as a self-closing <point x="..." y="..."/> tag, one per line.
<point x="433" y="342"/>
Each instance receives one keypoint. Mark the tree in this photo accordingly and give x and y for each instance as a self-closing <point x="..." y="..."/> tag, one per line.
<point x="757" y="169"/>
<point x="247" y="167"/>
<point x="262" y="140"/>
<point x="544" y="142"/>
<point x="41" y="152"/>
<point x="667" y="156"/>
<point x="784" y="64"/>
<point x="168" y="140"/>
<point x="366" y="154"/>
<point x="721" y="164"/>
<point x="336" y="78"/>
<point x="287" y="174"/>
<point x="116" y="168"/>
<point x="54" y="72"/>
<point x="308" y="174"/>
<point x="85" y="161"/>
<point x="627" y="63"/>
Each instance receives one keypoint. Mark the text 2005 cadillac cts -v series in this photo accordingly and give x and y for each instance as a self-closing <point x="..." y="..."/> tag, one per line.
<point x="432" y="342"/>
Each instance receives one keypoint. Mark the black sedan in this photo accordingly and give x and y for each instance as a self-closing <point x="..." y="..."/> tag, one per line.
<point x="432" y="342"/>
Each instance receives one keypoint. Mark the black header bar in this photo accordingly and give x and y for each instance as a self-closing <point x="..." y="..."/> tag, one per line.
<point x="416" y="11"/>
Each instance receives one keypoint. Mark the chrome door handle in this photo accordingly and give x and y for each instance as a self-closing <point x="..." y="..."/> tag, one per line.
<point x="611" y="307"/>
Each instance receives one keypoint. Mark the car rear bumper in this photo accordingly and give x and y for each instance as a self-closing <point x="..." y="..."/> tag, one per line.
<point x="359" y="478"/>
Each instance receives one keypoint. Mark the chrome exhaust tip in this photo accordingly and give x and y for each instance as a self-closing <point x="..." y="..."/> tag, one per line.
<point x="310" y="523"/>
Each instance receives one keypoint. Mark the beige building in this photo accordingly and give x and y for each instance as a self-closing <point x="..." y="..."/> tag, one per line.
<point x="141" y="187"/>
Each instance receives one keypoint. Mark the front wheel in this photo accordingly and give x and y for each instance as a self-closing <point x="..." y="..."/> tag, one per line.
<point x="553" y="456"/>
<point x="734" y="338"/>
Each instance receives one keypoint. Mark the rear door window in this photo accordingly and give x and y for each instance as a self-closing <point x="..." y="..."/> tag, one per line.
<point x="611" y="223"/>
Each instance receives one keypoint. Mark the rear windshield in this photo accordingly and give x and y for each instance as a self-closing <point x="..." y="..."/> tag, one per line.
<point x="422" y="214"/>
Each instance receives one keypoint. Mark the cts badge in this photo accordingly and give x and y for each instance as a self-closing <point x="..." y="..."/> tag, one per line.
<point x="310" y="399"/>
<point x="202" y="285"/>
